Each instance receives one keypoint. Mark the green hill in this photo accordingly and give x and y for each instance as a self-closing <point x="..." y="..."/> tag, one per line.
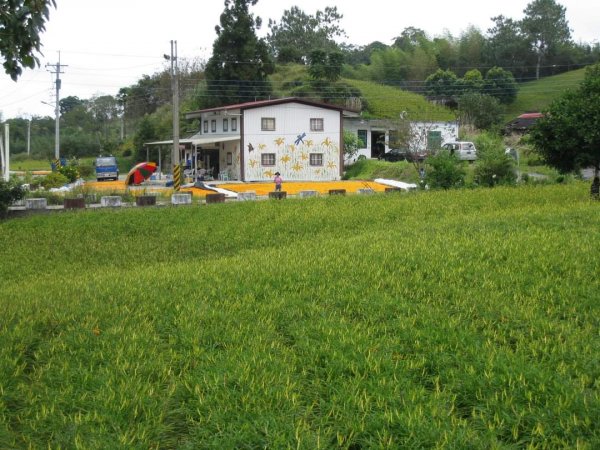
<point x="382" y="102"/>
<point x="388" y="102"/>
<point x="536" y="95"/>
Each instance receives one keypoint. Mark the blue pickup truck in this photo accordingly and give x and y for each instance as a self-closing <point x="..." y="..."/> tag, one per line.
<point x="106" y="168"/>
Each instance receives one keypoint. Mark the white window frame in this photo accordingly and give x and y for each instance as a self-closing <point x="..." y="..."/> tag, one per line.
<point x="268" y="159"/>
<point x="268" y="124"/>
<point x="316" y="159"/>
<point x="317" y="124"/>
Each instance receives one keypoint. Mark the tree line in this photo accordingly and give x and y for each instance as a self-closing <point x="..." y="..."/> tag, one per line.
<point x="477" y="68"/>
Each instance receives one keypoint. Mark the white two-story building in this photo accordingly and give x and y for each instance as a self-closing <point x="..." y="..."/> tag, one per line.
<point x="300" y="139"/>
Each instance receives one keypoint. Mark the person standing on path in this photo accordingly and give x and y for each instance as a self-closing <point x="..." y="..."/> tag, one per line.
<point x="278" y="180"/>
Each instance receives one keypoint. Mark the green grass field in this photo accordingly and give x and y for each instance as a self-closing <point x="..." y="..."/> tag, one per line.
<point x="459" y="319"/>
<point x="537" y="95"/>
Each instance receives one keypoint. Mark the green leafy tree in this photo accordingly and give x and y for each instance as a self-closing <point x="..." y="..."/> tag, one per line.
<point x="442" y="85"/>
<point x="298" y="34"/>
<point x="507" y="46"/>
<point x="501" y="84"/>
<point x="325" y="66"/>
<point x="361" y="55"/>
<point x="21" y="24"/>
<point x="479" y="110"/>
<point x="238" y="68"/>
<point x="568" y="136"/>
<point x="471" y="49"/>
<point x="472" y="81"/>
<point x="446" y="51"/>
<point x="389" y="66"/>
<point x="410" y="39"/>
<point x="445" y="171"/>
<point x="69" y="103"/>
<point x="546" y="28"/>
<point x="146" y="132"/>
<point x="351" y="144"/>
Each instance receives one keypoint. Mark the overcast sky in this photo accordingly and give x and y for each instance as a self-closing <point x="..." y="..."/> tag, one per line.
<point x="109" y="44"/>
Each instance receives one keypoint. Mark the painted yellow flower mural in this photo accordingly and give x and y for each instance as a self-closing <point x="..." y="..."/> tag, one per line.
<point x="297" y="167"/>
<point x="304" y="156"/>
<point x="269" y="173"/>
<point x="292" y="147"/>
<point x="285" y="159"/>
<point x="279" y="141"/>
<point x="309" y="143"/>
<point x="327" y="142"/>
<point x="253" y="163"/>
<point x="331" y="165"/>
<point x="261" y="147"/>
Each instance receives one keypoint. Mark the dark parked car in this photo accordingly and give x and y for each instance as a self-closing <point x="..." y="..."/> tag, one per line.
<point x="397" y="154"/>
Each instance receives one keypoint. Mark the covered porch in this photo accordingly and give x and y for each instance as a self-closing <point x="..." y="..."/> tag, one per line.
<point x="209" y="158"/>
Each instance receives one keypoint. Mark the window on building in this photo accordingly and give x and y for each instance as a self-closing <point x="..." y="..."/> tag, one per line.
<point x="229" y="158"/>
<point x="213" y="126"/>
<point x="362" y="136"/>
<point x="267" y="159"/>
<point x="316" y="159"/>
<point x="434" y="140"/>
<point x="316" y="125"/>
<point x="225" y="125"/>
<point x="233" y="124"/>
<point x="206" y="126"/>
<point x="267" y="124"/>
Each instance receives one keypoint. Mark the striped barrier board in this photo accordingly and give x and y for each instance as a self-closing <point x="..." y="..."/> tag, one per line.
<point x="177" y="177"/>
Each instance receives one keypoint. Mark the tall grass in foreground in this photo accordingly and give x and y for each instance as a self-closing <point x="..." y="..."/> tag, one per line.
<point x="461" y="319"/>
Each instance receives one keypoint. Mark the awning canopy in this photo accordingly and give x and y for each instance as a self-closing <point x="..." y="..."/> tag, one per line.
<point x="198" y="140"/>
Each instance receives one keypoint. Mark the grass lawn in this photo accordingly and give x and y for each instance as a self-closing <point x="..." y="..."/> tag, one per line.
<point x="537" y="95"/>
<point x="459" y="319"/>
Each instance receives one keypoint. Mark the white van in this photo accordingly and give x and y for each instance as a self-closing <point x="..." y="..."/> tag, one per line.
<point x="464" y="150"/>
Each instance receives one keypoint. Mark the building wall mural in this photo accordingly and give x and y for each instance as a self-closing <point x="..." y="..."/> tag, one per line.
<point x="292" y="144"/>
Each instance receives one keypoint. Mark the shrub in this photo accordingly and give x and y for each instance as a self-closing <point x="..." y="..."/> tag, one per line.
<point x="446" y="171"/>
<point x="495" y="167"/>
<point x="70" y="172"/>
<point x="54" y="180"/>
<point x="10" y="192"/>
<point x="86" y="171"/>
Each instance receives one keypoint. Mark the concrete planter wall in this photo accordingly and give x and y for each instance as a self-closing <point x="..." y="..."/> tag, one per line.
<point x="36" y="203"/>
<point x="74" y="203"/>
<point x="307" y="194"/>
<point x="215" y="198"/>
<point x="279" y="195"/>
<point x="145" y="200"/>
<point x="246" y="196"/>
<point x="112" y="201"/>
<point x="181" y="199"/>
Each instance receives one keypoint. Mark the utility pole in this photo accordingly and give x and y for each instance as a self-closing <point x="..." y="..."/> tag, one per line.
<point x="29" y="136"/>
<point x="5" y="149"/>
<point x="175" y="75"/>
<point x="57" y="71"/>
<point x="175" y="87"/>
